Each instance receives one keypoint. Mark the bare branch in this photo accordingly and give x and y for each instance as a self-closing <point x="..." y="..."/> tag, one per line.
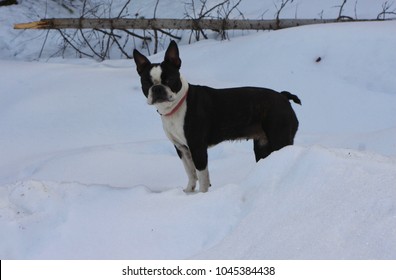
<point x="123" y="8"/>
<point x="155" y="30"/>
<point x="340" y="16"/>
<point x="144" y="38"/>
<point x="386" y="11"/>
<point x="89" y="45"/>
<point x="64" y="36"/>
<point x="282" y="6"/>
<point x="341" y="8"/>
<point x="211" y="9"/>
<point x="170" y="34"/>
<point x="42" y="47"/>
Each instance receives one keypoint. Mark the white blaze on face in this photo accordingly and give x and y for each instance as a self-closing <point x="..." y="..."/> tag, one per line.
<point x="155" y="74"/>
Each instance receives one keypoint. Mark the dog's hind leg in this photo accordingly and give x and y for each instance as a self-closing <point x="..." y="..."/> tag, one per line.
<point x="279" y="135"/>
<point x="261" y="147"/>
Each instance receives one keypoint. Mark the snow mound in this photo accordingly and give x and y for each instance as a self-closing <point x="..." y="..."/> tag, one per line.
<point x="301" y="203"/>
<point x="310" y="203"/>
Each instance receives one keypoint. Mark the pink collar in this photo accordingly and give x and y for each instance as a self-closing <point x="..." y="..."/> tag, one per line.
<point x="177" y="107"/>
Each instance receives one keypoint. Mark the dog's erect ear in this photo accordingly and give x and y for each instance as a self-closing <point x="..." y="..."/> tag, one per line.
<point x="172" y="54"/>
<point x="141" y="61"/>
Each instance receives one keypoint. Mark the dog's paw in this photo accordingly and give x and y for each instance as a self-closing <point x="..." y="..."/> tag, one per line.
<point x="204" y="188"/>
<point x="189" y="189"/>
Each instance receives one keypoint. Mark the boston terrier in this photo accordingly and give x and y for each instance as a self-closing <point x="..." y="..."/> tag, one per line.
<point x="196" y="117"/>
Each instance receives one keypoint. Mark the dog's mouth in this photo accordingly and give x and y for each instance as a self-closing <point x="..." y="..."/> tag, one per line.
<point x="159" y="99"/>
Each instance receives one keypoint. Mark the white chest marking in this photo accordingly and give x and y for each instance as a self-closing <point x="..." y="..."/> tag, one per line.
<point x="174" y="126"/>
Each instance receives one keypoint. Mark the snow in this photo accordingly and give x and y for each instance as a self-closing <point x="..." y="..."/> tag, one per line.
<point x="86" y="171"/>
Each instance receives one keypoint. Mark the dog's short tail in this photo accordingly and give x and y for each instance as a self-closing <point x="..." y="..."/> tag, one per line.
<point x="290" y="96"/>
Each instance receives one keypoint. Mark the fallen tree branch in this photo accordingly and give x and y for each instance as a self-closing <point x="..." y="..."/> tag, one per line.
<point x="177" y="24"/>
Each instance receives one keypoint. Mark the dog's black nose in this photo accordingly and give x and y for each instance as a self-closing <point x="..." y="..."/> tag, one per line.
<point x="157" y="89"/>
<point x="159" y="94"/>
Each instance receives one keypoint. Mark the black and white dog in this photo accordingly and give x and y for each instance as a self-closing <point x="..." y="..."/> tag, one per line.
<point x="197" y="117"/>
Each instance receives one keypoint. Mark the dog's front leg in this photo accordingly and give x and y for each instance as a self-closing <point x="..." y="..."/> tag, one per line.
<point x="200" y="159"/>
<point x="185" y="155"/>
<point x="203" y="179"/>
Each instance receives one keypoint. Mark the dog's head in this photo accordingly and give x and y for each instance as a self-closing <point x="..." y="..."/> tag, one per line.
<point x="161" y="82"/>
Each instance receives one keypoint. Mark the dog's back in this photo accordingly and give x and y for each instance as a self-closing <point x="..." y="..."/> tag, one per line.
<point x="261" y="114"/>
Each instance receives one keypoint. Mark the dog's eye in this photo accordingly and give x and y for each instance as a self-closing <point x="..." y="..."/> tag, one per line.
<point x="169" y="81"/>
